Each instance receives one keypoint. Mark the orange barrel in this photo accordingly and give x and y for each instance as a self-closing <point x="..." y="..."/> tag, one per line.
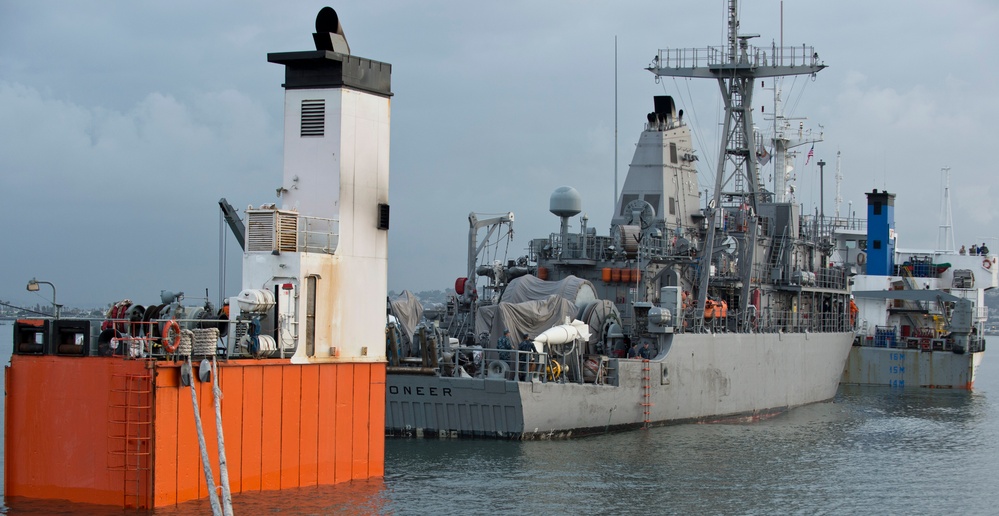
<point x="605" y="274"/>
<point x="615" y="275"/>
<point x="542" y="273"/>
<point x="635" y="275"/>
<point x="625" y="275"/>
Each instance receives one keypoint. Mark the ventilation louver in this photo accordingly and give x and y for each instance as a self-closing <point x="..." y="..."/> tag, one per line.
<point x="271" y="230"/>
<point x="313" y="117"/>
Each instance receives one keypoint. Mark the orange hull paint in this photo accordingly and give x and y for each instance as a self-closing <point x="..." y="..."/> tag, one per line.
<point x="121" y="432"/>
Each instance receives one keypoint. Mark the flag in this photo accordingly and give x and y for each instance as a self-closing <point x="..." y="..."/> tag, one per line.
<point x="762" y="156"/>
<point x="811" y="152"/>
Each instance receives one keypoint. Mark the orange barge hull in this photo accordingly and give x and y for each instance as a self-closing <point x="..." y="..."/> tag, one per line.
<point x="122" y="432"/>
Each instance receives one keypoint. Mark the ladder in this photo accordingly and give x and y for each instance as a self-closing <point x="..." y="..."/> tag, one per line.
<point x="646" y="402"/>
<point x="129" y="435"/>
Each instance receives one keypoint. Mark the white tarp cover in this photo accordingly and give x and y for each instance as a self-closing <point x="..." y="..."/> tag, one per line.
<point x="526" y="288"/>
<point x="408" y="312"/>
<point x="531" y="317"/>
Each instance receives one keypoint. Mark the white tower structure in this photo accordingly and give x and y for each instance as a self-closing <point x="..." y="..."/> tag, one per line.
<point x="315" y="268"/>
<point x="945" y="238"/>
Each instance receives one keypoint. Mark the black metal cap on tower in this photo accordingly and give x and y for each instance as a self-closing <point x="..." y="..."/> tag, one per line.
<point x="328" y="69"/>
<point x="329" y="32"/>
<point x="331" y="65"/>
<point x="882" y="198"/>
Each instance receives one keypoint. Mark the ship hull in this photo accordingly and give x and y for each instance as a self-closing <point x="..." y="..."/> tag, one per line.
<point x="122" y="432"/>
<point x="895" y="367"/>
<point x="703" y="377"/>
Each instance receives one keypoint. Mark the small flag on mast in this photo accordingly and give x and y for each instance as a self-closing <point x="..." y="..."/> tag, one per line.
<point x="762" y="156"/>
<point x="811" y="153"/>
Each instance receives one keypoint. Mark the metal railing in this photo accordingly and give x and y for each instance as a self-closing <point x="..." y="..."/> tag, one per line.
<point x="833" y="278"/>
<point x="770" y="321"/>
<point x="318" y="235"/>
<point x="721" y="56"/>
<point x="145" y="339"/>
<point x="923" y="340"/>
<point x="474" y="361"/>
<point x="812" y="226"/>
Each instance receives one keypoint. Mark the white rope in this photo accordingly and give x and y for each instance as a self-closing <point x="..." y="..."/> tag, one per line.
<point x="223" y="467"/>
<point x="213" y="497"/>
<point x="186" y="340"/>
<point x="205" y="340"/>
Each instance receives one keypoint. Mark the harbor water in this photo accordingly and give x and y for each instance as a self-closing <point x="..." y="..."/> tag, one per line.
<point x="871" y="449"/>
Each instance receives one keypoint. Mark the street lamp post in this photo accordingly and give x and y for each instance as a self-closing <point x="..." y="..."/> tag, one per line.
<point x="33" y="287"/>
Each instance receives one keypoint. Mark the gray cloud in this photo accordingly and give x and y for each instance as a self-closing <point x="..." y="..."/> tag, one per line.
<point x="122" y="124"/>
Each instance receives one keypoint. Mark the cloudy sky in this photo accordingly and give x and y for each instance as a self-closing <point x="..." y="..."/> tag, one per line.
<point x="123" y="123"/>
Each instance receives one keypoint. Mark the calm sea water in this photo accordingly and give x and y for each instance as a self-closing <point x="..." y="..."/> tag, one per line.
<point x="871" y="450"/>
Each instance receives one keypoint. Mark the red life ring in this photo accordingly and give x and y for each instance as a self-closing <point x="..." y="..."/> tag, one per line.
<point x="987" y="263"/>
<point x="171" y="344"/>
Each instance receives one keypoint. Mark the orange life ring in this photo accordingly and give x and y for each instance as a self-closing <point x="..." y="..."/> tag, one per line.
<point x="987" y="263"/>
<point x="171" y="344"/>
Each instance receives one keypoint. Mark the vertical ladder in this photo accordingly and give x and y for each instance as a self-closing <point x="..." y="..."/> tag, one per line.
<point x="646" y="403"/>
<point x="130" y="436"/>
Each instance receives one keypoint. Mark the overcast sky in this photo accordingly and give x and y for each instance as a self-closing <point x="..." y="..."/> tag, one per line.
<point x="123" y="123"/>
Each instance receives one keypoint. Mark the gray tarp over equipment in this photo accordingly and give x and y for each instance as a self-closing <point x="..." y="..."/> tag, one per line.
<point x="408" y="312"/>
<point x="530" y="317"/>
<point x="531" y="305"/>
<point x="529" y="288"/>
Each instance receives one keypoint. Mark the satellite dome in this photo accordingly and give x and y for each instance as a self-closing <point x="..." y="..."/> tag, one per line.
<point x="565" y="202"/>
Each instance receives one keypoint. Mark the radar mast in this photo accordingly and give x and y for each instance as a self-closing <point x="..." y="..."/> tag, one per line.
<point x="737" y="181"/>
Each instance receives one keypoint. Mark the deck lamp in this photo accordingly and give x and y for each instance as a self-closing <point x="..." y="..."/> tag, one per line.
<point x="33" y="287"/>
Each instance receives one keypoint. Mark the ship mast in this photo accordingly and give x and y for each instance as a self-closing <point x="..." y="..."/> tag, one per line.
<point x="782" y="143"/>
<point x="945" y="238"/>
<point x="737" y="183"/>
<point x="839" y="182"/>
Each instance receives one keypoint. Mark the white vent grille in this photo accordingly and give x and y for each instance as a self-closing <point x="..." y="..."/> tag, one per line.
<point x="287" y="231"/>
<point x="260" y="231"/>
<point x="313" y="117"/>
<point x="271" y="230"/>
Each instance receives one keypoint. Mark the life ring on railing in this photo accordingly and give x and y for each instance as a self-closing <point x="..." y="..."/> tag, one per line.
<point x="987" y="263"/>
<point x="170" y="344"/>
<point x="861" y="258"/>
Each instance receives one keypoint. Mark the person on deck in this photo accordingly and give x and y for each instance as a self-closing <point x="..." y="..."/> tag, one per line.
<point x="963" y="251"/>
<point x="525" y="358"/>
<point x="633" y="351"/>
<point x="503" y="343"/>
<point x="983" y="250"/>
<point x="646" y="351"/>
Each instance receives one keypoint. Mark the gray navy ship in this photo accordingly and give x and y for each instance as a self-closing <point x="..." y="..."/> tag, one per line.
<point x="692" y="308"/>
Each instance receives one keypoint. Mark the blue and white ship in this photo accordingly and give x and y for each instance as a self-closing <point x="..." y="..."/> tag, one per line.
<point x="919" y="314"/>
